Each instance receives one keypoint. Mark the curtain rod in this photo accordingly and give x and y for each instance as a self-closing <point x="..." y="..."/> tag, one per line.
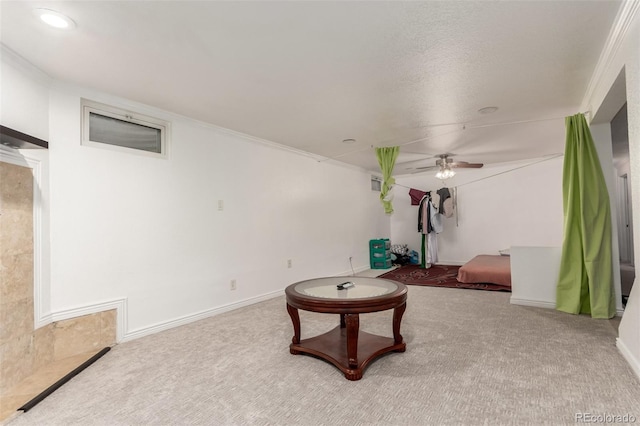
<point x="464" y="127"/>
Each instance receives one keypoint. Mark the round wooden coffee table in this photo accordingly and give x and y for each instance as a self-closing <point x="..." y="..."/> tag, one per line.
<point x="346" y="347"/>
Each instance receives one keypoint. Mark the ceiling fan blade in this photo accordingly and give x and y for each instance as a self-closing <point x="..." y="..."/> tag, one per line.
<point x="445" y="160"/>
<point x="465" y="165"/>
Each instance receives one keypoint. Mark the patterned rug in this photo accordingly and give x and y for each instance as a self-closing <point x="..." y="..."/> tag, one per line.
<point x="436" y="276"/>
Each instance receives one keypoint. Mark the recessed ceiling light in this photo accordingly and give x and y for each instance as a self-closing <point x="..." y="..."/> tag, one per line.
<point x="349" y="141"/>
<point x="488" y="110"/>
<point x="55" y="19"/>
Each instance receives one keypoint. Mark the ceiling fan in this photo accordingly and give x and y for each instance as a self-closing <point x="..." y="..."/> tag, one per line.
<point x="445" y="166"/>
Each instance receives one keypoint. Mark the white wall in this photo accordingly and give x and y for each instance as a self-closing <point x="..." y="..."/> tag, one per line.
<point x="24" y="104"/>
<point x="149" y="230"/>
<point x="622" y="51"/>
<point x="145" y="234"/>
<point x="498" y="206"/>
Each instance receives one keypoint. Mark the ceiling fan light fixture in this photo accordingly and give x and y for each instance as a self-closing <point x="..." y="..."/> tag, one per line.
<point x="445" y="173"/>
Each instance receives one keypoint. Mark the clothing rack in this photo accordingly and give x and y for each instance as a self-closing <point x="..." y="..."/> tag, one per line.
<point x="424" y="239"/>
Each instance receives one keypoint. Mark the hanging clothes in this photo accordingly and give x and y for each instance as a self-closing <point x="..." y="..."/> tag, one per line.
<point x="435" y="200"/>
<point x="429" y="224"/>
<point x="416" y="196"/>
<point x="423" y="251"/>
<point x="424" y="226"/>
<point x="448" y="207"/>
<point x="435" y="219"/>
<point x="436" y="228"/>
<point x="426" y="217"/>
<point x="432" y="250"/>
<point x="446" y="202"/>
<point x="421" y="212"/>
<point x="444" y="194"/>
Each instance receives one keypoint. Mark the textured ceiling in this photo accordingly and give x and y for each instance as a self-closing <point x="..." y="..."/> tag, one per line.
<point x="310" y="74"/>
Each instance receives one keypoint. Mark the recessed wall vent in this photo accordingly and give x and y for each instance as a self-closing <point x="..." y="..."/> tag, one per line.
<point x="376" y="183"/>
<point x="107" y="126"/>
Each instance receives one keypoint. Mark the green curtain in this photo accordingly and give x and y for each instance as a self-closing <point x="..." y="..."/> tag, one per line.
<point x="387" y="159"/>
<point x="585" y="283"/>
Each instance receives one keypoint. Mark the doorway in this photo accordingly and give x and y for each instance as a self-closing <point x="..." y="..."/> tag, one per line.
<point x="621" y="164"/>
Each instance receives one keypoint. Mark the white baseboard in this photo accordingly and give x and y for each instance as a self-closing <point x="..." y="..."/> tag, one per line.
<point x="626" y="353"/>
<point x="361" y="268"/>
<point x="534" y="303"/>
<point x="355" y="271"/>
<point x="141" y="332"/>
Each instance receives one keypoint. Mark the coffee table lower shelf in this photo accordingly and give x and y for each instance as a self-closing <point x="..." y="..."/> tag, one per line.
<point x="332" y="347"/>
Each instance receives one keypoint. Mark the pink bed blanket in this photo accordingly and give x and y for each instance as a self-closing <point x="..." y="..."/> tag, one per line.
<point x="485" y="268"/>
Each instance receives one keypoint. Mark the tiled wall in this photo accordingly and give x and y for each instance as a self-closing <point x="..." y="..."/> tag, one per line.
<point x="16" y="273"/>
<point x="82" y="334"/>
<point x="24" y="350"/>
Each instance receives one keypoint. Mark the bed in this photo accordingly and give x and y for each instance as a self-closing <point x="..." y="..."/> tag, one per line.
<point x="486" y="268"/>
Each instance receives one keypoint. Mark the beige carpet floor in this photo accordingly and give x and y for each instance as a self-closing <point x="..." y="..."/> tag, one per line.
<point x="471" y="359"/>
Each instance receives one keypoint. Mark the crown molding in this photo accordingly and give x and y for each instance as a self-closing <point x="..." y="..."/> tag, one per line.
<point x="627" y="13"/>
<point x="14" y="59"/>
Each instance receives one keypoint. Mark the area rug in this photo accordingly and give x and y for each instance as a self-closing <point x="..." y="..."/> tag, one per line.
<point x="436" y="276"/>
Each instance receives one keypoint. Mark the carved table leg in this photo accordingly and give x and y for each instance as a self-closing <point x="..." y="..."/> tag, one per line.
<point x="397" y="318"/>
<point x="353" y="324"/>
<point x="295" y="319"/>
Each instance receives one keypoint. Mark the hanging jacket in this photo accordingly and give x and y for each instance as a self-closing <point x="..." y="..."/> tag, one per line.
<point x="423" y="205"/>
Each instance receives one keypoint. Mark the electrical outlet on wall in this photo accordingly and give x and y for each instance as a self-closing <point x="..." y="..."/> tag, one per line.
<point x="289" y="263"/>
<point x="233" y="285"/>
